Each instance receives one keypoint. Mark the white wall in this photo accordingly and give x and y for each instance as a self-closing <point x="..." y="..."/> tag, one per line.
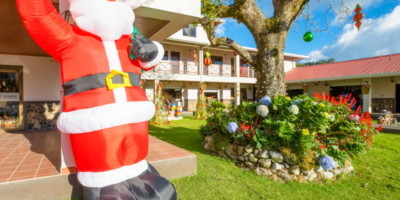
<point x="185" y="7"/>
<point x="289" y="65"/>
<point x="192" y="94"/>
<point x="41" y="76"/>
<point x="201" y="36"/>
<point x="383" y="88"/>
<point x="226" y="93"/>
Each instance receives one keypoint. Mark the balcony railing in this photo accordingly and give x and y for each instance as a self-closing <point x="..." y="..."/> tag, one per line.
<point x="177" y="67"/>
<point x="189" y="67"/>
<point x="246" y="71"/>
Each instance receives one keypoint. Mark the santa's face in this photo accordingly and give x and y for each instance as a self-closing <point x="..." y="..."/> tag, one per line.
<point x="108" y="19"/>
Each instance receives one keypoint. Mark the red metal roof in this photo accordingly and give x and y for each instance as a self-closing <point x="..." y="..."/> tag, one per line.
<point x="367" y="67"/>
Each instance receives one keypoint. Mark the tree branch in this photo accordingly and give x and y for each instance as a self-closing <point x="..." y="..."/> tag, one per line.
<point x="286" y="11"/>
<point x="224" y="41"/>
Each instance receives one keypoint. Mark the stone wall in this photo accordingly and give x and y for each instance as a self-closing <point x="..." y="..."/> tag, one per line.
<point x="190" y="105"/>
<point x="41" y="115"/>
<point x="273" y="163"/>
<point x="383" y="104"/>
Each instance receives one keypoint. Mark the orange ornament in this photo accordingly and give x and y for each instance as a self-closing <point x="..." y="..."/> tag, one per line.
<point x="358" y="16"/>
<point x="207" y="61"/>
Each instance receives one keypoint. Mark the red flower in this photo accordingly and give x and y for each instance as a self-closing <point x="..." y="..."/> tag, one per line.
<point x="322" y="147"/>
<point x="379" y="128"/>
<point x="364" y="132"/>
<point x="248" y="135"/>
<point x="245" y="127"/>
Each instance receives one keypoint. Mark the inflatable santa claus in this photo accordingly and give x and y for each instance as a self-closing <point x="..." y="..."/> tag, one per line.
<point x="105" y="112"/>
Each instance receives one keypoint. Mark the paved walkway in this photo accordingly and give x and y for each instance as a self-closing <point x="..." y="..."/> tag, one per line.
<point x="30" y="155"/>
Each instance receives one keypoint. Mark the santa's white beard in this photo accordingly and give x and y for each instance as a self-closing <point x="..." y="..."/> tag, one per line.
<point x="108" y="20"/>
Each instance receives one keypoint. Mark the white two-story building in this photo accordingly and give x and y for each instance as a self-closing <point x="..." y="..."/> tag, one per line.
<point x="30" y="81"/>
<point x="229" y="79"/>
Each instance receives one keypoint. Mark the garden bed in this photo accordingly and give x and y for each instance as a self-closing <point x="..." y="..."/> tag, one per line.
<point x="301" y="139"/>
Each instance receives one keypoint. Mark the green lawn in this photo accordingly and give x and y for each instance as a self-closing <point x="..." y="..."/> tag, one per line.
<point x="377" y="173"/>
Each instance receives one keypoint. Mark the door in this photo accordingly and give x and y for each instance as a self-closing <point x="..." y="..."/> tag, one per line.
<point x="397" y="98"/>
<point x="11" y="110"/>
<point x="175" y="59"/>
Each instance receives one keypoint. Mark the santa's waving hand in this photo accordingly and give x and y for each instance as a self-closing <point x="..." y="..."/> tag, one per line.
<point x="105" y="112"/>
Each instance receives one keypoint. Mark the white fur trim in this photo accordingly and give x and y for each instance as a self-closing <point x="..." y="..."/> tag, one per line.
<point x="156" y="60"/>
<point x="114" y="63"/>
<point x="102" y="179"/>
<point x="106" y="116"/>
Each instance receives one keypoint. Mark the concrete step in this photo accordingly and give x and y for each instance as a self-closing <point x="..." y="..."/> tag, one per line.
<point x="61" y="187"/>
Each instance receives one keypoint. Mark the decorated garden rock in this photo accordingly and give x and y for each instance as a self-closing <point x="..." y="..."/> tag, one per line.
<point x="104" y="111"/>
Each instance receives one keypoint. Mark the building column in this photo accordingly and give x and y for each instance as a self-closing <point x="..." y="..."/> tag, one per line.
<point x="67" y="158"/>
<point x="156" y="81"/>
<point x="183" y="98"/>
<point x="201" y="61"/>
<point x="237" y="65"/>
<point x="237" y="94"/>
<point x="367" y="98"/>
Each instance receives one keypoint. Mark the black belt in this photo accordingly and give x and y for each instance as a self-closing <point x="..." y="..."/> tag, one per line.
<point x="112" y="80"/>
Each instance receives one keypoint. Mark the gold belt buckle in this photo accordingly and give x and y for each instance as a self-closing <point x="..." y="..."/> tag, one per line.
<point x="125" y="78"/>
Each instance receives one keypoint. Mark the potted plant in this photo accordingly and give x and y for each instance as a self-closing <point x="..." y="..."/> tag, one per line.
<point x="365" y="88"/>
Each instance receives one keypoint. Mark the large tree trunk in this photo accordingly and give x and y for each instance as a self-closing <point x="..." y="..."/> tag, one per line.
<point x="270" y="66"/>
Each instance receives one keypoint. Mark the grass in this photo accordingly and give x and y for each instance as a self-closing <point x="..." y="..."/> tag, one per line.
<point x="377" y="173"/>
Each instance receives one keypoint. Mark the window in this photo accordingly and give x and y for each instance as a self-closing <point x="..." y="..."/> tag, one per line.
<point x="11" y="115"/>
<point x="216" y="60"/>
<point x="165" y="55"/>
<point x="175" y="56"/>
<point x="189" y="30"/>
<point x="243" y="63"/>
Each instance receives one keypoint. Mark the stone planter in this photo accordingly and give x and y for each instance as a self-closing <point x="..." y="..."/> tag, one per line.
<point x="274" y="164"/>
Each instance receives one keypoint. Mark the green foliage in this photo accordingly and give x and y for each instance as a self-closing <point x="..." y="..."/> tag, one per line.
<point x="201" y="106"/>
<point x="159" y="117"/>
<point x="217" y="119"/>
<point x="306" y="127"/>
<point x="211" y="8"/>
<point x="330" y="60"/>
<point x="217" y="177"/>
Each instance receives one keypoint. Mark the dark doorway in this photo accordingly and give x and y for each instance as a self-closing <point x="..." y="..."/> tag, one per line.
<point x="397" y="98"/>
<point x="175" y="62"/>
<point x="296" y="92"/>
<point x="243" y="94"/>
<point x="345" y="91"/>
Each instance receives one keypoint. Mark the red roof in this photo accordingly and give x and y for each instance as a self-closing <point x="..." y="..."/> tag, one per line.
<point x="388" y="65"/>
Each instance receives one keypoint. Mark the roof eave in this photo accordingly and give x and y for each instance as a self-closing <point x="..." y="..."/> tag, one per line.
<point x="346" y="77"/>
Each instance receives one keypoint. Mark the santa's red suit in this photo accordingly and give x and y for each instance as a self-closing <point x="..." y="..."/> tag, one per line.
<point x="107" y="125"/>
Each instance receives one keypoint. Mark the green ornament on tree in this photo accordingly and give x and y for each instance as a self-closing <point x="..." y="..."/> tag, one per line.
<point x="308" y="36"/>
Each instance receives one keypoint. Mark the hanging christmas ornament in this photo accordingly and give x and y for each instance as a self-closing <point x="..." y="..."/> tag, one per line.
<point x="235" y="53"/>
<point x="308" y="36"/>
<point x="358" y="16"/>
<point x="207" y="59"/>
<point x="195" y="57"/>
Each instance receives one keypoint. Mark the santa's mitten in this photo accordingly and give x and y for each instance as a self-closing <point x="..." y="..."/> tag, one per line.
<point x="148" y="52"/>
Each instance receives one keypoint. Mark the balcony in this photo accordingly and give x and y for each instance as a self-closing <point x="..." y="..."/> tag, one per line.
<point x="189" y="67"/>
<point x="247" y="71"/>
<point x="177" y="67"/>
<point x="219" y="70"/>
